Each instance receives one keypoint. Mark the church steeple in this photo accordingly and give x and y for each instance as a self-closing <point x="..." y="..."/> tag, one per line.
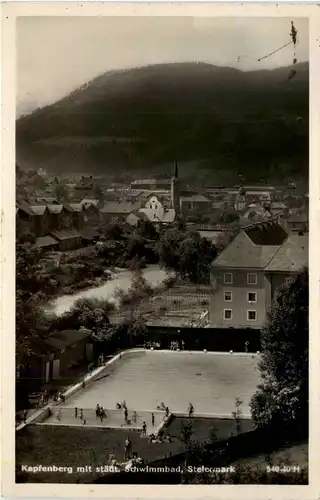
<point x="176" y="170"/>
<point x="175" y="190"/>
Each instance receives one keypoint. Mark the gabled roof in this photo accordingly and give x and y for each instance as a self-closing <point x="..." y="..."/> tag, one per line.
<point x="169" y="215"/>
<point x="38" y="209"/>
<point x="135" y="216"/>
<point x="76" y="207"/>
<point x="55" y="209"/>
<point x="25" y="207"/>
<point x="166" y="217"/>
<point x="45" y="241"/>
<point x="242" y="252"/>
<point x="292" y="256"/>
<point x="61" y="340"/>
<point x="66" y="234"/>
<point x="86" y="202"/>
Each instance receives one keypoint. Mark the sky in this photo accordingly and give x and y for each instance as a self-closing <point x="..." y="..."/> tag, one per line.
<point x="57" y="54"/>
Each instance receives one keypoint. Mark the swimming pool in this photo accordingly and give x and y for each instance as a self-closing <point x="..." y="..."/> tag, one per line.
<point x="211" y="381"/>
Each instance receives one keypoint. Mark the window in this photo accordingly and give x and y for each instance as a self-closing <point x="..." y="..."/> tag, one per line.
<point x="228" y="279"/>
<point x="251" y="315"/>
<point x="252" y="297"/>
<point x="228" y="296"/>
<point x="227" y="314"/>
<point x="251" y="279"/>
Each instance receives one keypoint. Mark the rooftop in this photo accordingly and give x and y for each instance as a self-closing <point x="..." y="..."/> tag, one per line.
<point x="244" y="253"/>
<point x="86" y="202"/>
<point x="167" y="217"/>
<point x="45" y="241"/>
<point x="61" y="340"/>
<point x="266" y="233"/>
<point x="292" y="256"/>
<point x="55" y="209"/>
<point x="119" y="207"/>
<point x="66" y="234"/>
<point x="76" y="207"/>
<point x="195" y="197"/>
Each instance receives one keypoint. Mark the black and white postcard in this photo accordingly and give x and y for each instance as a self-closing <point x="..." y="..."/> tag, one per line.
<point x="160" y="187"/>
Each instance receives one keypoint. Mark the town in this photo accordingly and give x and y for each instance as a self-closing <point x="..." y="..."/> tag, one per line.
<point x="204" y="267"/>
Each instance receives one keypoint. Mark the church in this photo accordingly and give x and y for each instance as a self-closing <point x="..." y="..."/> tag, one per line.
<point x="164" y="209"/>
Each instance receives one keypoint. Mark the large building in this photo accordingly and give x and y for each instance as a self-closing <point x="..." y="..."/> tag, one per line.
<point x="151" y="184"/>
<point x="246" y="275"/>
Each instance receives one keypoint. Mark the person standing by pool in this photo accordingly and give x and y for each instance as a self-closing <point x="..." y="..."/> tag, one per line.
<point x="81" y="414"/>
<point x="127" y="448"/>
<point x="134" y="417"/>
<point x="152" y="419"/>
<point x="25" y="416"/>
<point x="126" y="415"/>
<point x="76" y="412"/>
<point x="190" y="410"/>
<point x="46" y="396"/>
<point x="98" y="410"/>
<point x="144" y="429"/>
<point x="167" y="411"/>
<point x="102" y="414"/>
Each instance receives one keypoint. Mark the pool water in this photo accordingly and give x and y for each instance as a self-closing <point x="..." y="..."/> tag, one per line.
<point x="211" y="381"/>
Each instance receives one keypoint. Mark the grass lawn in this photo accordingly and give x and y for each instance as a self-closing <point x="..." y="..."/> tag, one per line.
<point x="80" y="446"/>
<point x="294" y="454"/>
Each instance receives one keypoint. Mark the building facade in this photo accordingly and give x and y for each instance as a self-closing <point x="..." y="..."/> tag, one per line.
<point x="241" y="288"/>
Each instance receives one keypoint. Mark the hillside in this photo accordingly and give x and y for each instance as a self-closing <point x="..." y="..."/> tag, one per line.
<point x="219" y="118"/>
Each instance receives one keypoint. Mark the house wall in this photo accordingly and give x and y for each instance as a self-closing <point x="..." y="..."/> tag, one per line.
<point x="70" y="244"/>
<point x="297" y="226"/>
<point x="23" y="224"/>
<point x="195" y="206"/>
<point x="54" y="221"/>
<point x="66" y="219"/>
<point x="239" y="303"/>
<point x="35" y="371"/>
<point x="92" y="214"/>
<point x="40" y="224"/>
<point x="72" y="355"/>
<point x="113" y="218"/>
<point x="78" y="219"/>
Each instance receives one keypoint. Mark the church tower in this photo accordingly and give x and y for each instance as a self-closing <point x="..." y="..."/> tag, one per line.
<point x="175" y="191"/>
